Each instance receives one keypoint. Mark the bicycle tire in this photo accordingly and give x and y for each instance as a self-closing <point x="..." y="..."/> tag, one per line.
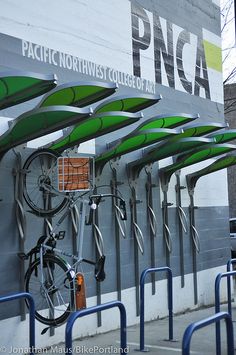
<point x="54" y="297"/>
<point x="41" y="167"/>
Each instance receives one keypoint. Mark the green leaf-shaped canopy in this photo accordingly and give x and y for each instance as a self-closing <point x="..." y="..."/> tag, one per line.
<point x="199" y="130"/>
<point x="168" y="121"/>
<point x="19" y="86"/>
<point x="224" y="136"/>
<point x="219" y="164"/>
<point x="135" y="140"/>
<point x="193" y="157"/>
<point x="78" y="94"/>
<point x="39" y="122"/>
<point x="129" y="104"/>
<point x="166" y="149"/>
<point x="95" y="126"/>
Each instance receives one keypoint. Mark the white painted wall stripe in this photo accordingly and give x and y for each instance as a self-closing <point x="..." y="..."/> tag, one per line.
<point x="156" y="307"/>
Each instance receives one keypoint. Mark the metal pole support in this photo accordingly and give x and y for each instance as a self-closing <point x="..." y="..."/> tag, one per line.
<point x="30" y="300"/>
<point x="86" y="311"/>
<point x="217" y="305"/>
<point x="229" y="263"/>
<point x="205" y="322"/>
<point x="170" y="301"/>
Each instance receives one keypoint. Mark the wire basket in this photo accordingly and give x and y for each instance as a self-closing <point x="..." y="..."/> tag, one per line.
<point x="75" y="173"/>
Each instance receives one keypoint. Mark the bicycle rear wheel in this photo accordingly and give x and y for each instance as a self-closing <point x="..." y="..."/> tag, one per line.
<point x="41" y="183"/>
<point x="51" y="286"/>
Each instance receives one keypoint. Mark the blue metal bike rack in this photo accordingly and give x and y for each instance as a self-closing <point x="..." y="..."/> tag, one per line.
<point x="101" y="307"/>
<point x="205" y="322"/>
<point x="229" y="263"/>
<point x="170" y="301"/>
<point x="31" y="315"/>
<point x="217" y="304"/>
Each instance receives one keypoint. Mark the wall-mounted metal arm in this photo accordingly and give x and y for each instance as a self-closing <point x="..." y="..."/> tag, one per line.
<point x="152" y="223"/>
<point x="139" y="237"/>
<point x="195" y="238"/>
<point x="166" y="231"/>
<point x="98" y="240"/>
<point x="152" y="220"/>
<point x="182" y="218"/>
<point x="195" y="244"/>
<point x="138" y="241"/>
<point x="18" y="173"/>
<point x="118" y="228"/>
<point x="75" y="218"/>
<point x="167" y="236"/>
<point x="120" y="219"/>
<point x="182" y="226"/>
<point x="221" y="163"/>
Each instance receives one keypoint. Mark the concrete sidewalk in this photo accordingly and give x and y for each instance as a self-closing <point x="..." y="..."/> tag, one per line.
<point x="203" y="341"/>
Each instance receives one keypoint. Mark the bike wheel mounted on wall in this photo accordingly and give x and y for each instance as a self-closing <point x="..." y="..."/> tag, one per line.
<point x="41" y="183"/>
<point x="51" y="286"/>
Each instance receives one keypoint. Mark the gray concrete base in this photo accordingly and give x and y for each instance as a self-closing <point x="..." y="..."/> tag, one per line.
<point x="156" y="333"/>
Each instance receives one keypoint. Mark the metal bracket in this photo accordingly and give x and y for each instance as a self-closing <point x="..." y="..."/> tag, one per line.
<point x="191" y="192"/>
<point x="132" y="174"/>
<point x="148" y="168"/>
<point x="166" y="204"/>
<point x="114" y="163"/>
<point x="164" y="179"/>
<point x="134" y="201"/>
<point x="179" y="188"/>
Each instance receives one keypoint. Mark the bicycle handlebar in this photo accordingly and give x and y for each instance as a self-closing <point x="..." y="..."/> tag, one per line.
<point x="96" y="199"/>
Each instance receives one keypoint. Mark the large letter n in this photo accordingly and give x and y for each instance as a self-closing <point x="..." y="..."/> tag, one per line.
<point x="139" y="41"/>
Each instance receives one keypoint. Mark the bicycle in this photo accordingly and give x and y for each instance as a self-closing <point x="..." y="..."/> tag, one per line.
<point x="55" y="285"/>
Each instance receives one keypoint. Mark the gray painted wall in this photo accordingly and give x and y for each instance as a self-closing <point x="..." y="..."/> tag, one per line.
<point x="211" y="221"/>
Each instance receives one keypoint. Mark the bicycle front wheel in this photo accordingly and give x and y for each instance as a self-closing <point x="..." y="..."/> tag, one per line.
<point x="51" y="286"/>
<point x="41" y="183"/>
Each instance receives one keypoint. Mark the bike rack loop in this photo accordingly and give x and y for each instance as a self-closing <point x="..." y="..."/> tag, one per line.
<point x="229" y="263"/>
<point x="101" y="307"/>
<point x="205" y="322"/>
<point x="27" y="296"/>
<point x="170" y="301"/>
<point x="217" y="305"/>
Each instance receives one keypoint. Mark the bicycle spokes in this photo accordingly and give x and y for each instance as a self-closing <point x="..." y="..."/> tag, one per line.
<point x="52" y="289"/>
